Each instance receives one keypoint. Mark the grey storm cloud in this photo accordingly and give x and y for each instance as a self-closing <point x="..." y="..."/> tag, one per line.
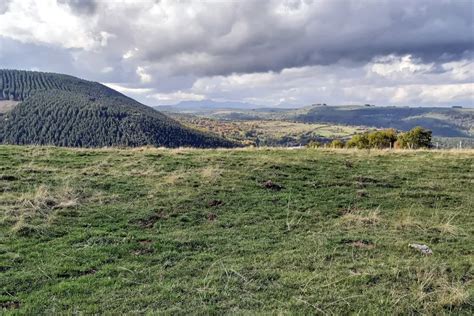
<point x="220" y="38"/>
<point x="254" y="36"/>
<point x="4" y="6"/>
<point x="398" y="51"/>
<point x="81" y="6"/>
<point x="33" y="56"/>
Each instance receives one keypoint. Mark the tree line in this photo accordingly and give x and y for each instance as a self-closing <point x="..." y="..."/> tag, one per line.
<point x="417" y="137"/>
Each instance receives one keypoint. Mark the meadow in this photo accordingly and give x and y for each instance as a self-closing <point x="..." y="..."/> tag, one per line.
<point x="179" y="231"/>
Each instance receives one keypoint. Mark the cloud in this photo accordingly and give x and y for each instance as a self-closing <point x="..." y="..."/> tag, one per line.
<point x="4" y="6"/>
<point x="175" y="97"/>
<point x="397" y="81"/>
<point x="127" y="90"/>
<point x="258" y="36"/>
<point x="398" y="66"/>
<point x="81" y="6"/>
<point x="269" y="52"/>
<point x="130" y="53"/>
<point x="107" y="69"/>
<point x="48" y="22"/>
<point x="144" y="76"/>
<point x="415" y="94"/>
<point x="460" y="70"/>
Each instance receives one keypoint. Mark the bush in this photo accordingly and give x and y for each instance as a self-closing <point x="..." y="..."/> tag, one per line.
<point x="417" y="137"/>
<point x="360" y="141"/>
<point x="382" y="139"/>
<point x="337" y="143"/>
<point x="313" y="144"/>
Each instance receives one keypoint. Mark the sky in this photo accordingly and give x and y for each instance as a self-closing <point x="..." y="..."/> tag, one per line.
<point x="265" y="52"/>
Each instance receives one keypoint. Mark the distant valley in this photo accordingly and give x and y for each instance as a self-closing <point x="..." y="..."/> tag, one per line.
<point x="449" y="125"/>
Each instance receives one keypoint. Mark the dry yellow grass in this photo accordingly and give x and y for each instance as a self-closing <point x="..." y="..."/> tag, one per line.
<point x="408" y="221"/>
<point x="362" y="217"/>
<point x="38" y="208"/>
<point x="434" y="290"/>
<point x="210" y="173"/>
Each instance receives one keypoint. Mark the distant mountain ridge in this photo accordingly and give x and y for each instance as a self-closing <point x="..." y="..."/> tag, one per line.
<point x="57" y="109"/>
<point x="447" y="122"/>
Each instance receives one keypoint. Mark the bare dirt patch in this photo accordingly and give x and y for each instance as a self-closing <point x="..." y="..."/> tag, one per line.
<point x="145" y="242"/>
<point x="10" y="305"/>
<point x="150" y="221"/>
<point x="211" y="217"/>
<point x="272" y="185"/>
<point x="215" y="203"/>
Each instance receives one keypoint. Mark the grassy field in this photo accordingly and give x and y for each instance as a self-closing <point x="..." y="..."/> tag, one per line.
<point x="205" y="231"/>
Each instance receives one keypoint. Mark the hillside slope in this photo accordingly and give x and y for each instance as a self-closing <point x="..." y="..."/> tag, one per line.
<point x="186" y="231"/>
<point x="66" y="111"/>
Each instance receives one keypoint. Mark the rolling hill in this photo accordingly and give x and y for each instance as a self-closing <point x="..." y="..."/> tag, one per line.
<point x="447" y="122"/>
<point x="55" y="109"/>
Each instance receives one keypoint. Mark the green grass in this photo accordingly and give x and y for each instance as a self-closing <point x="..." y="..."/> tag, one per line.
<point x="196" y="231"/>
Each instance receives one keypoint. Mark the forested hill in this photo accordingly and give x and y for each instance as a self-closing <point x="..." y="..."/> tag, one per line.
<point x="56" y="109"/>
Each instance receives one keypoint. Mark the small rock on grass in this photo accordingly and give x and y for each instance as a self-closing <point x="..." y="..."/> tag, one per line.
<point x="424" y="249"/>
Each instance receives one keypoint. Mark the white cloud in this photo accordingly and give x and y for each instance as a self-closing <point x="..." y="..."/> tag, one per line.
<point x="48" y="22"/>
<point x="448" y="93"/>
<point x="339" y="84"/>
<point x="175" y="97"/>
<point x="460" y="70"/>
<point x="144" y="76"/>
<point x="414" y="94"/>
<point x="127" y="90"/>
<point x="104" y="38"/>
<point x="130" y="53"/>
<point x="398" y="66"/>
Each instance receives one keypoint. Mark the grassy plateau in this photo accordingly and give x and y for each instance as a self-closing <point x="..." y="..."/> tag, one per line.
<point x="248" y="231"/>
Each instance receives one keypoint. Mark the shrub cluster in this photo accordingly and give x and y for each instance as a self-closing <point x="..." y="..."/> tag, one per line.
<point x="417" y="137"/>
<point x="375" y="139"/>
